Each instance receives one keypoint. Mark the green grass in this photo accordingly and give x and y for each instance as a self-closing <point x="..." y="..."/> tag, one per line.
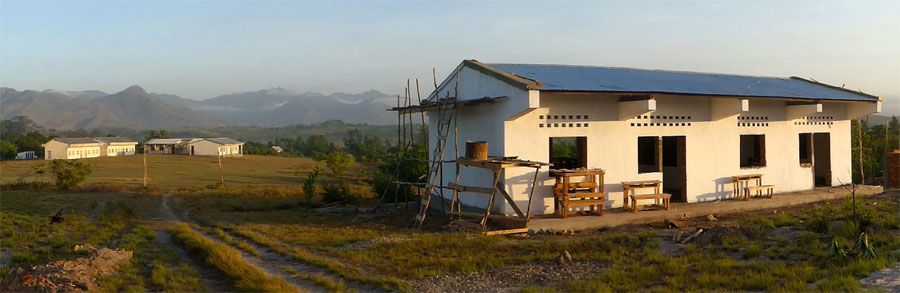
<point x="171" y="172"/>
<point x="244" y="275"/>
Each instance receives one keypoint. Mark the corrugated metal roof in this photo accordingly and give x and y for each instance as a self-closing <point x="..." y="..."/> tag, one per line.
<point x="166" y="140"/>
<point x="224" y="140"/>
<point x="115" y="139"/>
<point x="616" y="79"/>
<point x="76" y="140"/>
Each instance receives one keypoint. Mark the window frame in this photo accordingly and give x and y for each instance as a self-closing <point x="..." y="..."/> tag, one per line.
<point x="655" y="142"/>
<point x="760" y="151"/>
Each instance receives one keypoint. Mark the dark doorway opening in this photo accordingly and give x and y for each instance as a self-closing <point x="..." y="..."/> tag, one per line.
<point x="674" y="167"/>
<point x="822" y="159"/>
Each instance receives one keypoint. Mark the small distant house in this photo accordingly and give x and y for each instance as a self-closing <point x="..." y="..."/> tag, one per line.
<point x="221" y="146"/>
<point x="27" y="155"/>
<point x="83" y="147"/>
<point x="277" y="149"/>
<point x="167" y="146"/>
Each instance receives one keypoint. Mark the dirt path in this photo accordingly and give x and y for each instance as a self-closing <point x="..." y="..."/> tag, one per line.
<point x="887" y="279"/>
<point x="268" y="262"/>
<point x="212" y="279"/>
<point x="303" y="267"/>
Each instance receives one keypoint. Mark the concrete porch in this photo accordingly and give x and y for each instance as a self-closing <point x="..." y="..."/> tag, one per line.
<point x="618" y="217"/>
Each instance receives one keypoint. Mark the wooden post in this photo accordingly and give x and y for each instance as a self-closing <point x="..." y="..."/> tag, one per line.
<point x="145" y="166"/>
<point x="221" y="176"/>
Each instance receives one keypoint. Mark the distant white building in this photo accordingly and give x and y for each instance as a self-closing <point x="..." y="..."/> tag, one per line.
<point x="27" y="155"/>
<point x="116" y="146"/>
<point x="83" y="147"/>
<point x="277" y="149"/>
<point x="221" y="146"/>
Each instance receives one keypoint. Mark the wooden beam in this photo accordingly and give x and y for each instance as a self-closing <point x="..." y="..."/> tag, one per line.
<point x="509" y="199"/>
<point x="464" y="188"/>
<point x="505" y="232"/>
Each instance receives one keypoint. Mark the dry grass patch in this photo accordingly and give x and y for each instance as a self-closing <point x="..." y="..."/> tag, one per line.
<point x="244" y="275"/>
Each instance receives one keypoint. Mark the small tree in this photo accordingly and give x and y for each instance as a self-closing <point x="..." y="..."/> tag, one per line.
<point x="339" y="163"/>
<point x="68" y="173"/>
<point x="309" y="185"/>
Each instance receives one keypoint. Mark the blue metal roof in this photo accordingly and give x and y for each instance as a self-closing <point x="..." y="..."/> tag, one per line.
<point x="615" y="79"/>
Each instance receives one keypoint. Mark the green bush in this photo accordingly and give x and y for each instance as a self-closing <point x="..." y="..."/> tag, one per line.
<point x="68" y="173"/>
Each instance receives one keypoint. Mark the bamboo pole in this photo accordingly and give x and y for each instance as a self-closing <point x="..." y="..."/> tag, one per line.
<point x="862" y="169"/>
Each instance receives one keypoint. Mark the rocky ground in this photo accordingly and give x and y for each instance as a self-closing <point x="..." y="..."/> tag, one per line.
<point x="76" y="275"/>
<point x="511" y="279"/>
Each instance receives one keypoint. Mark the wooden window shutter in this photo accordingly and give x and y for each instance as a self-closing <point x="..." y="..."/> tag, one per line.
<point x="581" y="145"/>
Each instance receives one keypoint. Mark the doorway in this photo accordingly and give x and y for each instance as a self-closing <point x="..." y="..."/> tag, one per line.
<point x="822" y="159"/>
<point x="674" y="169"/>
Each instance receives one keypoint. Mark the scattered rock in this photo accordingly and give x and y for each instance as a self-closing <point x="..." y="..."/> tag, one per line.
<point x="85" y="247"/>
<point x="76" y="275"/>
<point x="366" y="244"/>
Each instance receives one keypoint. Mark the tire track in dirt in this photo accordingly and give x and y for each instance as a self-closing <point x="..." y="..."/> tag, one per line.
<point x="267" y="263"/>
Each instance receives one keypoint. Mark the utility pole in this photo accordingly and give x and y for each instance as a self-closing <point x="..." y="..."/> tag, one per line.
<point x="221" y="177"/>
<point x="145" y="167"/>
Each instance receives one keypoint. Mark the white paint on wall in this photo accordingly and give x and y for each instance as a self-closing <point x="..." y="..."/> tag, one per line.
<point x="711" y="126"/>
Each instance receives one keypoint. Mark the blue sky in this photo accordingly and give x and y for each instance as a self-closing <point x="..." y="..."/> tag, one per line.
<point x="200" y="49"/>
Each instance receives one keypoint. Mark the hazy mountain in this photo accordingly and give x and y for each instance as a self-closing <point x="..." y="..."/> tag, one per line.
<point x="278" y="106"/>
<point x="135" y="108"/>
<point x="89" y="94"/>
<point x="132" y="107"/>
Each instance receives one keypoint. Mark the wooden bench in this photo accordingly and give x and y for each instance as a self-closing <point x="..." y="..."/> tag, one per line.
<point x="631" y="198"/>
<point x="660" y="199"/>
<point x="587" y="193"/>
<point x="760" y="191"/>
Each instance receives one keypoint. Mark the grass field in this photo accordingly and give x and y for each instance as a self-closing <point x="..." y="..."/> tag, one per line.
<point x="262" y="212"/>
<point x="167" y="172"/>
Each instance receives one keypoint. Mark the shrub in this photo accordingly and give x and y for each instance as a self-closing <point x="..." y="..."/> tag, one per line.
<point x="338" y="191"/>
<point x="68" y="173"/>
<point x="309" y="185"/>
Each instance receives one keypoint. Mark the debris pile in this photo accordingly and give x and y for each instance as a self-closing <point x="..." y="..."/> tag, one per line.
<point x="76" y="275"/>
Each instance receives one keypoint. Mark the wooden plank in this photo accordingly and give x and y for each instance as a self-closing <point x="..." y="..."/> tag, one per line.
<point x="464" y="188"/>
<point x="510" y="200"/>
<point x="505" y="232"/>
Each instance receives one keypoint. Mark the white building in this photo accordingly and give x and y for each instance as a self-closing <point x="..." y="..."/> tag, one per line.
<point x="26" y="155"/>
<point x="116" y="146"/>
<point x="692" y="131"/>
<point x="83" y="147"/>
<point x="195" y="146"/>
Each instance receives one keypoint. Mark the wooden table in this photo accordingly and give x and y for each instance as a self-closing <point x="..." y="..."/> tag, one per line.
<point x="742" y="181"/>
<point x="588" y="192"/>
<point x="629" y="189"/>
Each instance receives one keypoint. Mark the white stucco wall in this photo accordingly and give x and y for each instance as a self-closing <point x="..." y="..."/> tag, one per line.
<point x="476" y="122"/>
<point x="208" y="148"/>
<point x="118" y="149"/>
<point x="511" y="128"/>
<point x="712" y="146"/>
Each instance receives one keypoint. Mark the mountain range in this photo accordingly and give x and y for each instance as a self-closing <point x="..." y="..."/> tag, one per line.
<point x="136" y="108"/>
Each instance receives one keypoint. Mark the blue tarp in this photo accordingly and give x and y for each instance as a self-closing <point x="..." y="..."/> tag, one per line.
<point x="630" y="80"/>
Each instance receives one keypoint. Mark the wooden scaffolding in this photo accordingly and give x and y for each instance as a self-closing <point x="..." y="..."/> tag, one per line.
<point x="432" y="185"/>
